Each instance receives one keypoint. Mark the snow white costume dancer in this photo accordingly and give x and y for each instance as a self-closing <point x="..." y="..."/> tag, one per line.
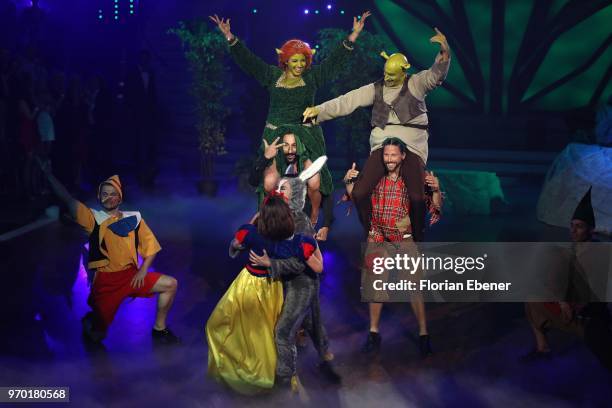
<point x="240" y="331"/>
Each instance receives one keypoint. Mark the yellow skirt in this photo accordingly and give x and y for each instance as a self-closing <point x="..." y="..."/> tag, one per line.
<point x="240" y="334"/>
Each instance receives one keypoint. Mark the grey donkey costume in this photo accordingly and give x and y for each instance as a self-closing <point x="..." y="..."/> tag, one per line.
<point x="301" y="305"/>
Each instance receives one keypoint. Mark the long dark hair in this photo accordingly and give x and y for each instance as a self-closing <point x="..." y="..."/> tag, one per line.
<point x="394" y="141"/>
<point x="275" y="221"/>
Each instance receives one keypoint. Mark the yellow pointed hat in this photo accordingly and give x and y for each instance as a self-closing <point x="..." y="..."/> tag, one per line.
<point x="113" y="181"/>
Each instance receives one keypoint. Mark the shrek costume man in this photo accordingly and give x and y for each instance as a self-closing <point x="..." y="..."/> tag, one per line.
<point x="398" y="110"/>
<point x="292" y="86"/>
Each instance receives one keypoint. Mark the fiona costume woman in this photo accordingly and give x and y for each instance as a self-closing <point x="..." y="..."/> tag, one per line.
<point x="292" y="86"/>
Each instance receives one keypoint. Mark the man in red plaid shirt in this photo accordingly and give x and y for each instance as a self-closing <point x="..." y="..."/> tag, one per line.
<point x="391" y="222"/>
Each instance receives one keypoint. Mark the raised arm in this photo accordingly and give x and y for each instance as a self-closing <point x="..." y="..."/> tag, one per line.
<point x="435" y="201"/>
<point x="349" y="179"/>
<point x="425" y="81"/>
<point x="331" y="66"/>
<point x="263" y="161"/>
<point x="58" y="188"/>
<point x="250" y="63"/>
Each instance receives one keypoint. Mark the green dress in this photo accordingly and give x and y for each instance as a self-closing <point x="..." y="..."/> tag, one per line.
<point x="288" y="104"/>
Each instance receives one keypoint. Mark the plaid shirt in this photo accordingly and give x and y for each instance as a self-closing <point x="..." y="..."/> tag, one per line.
<point x="390" y="204"/>
<point x="390" y="207"/>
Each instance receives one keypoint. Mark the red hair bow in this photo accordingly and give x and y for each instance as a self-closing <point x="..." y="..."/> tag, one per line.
<point x="273" y="194"/>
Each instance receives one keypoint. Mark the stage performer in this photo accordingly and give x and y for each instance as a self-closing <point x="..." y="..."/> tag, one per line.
<point x="116" y="238"/>
<point x="240" y="331"/>
<point x="398" y="110"/>
<point x="288" y="140"/>
<point x="580" y="311"/>
<point x="390" y="222"/>
<point x="292" y="86"/>
<point x="301" y="307"/>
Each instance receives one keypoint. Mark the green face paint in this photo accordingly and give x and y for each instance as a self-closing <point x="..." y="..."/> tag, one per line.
<point x="395" y="70"/>
<point x="296" y="65"/>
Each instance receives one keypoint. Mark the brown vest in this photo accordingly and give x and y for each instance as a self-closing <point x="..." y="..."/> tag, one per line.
<point x="406" y="106"/>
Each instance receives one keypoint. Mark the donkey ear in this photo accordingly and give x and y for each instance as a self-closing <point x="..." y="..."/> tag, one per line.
<point x="314" y="168"/>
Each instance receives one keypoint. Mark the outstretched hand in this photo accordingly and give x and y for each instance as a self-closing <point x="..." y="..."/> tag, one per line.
<point x="310" y="112"/>
<point x="358" y="25"/>
<point x="224" y="26"/>
<point x="440" y="39"/>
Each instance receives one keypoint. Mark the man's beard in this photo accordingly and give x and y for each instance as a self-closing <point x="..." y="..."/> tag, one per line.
<point x="395" y="165"/>
<point x="291" y="160"/>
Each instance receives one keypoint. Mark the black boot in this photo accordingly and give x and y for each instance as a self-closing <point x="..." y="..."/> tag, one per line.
<point x="425" y="346"/>
<point x="165" y="336"/>
<point x="372" y="344"/>
<point x="328" y="372"/>
<point x="90" y="334"/>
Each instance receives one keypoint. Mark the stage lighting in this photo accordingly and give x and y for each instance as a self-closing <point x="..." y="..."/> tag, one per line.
<point x="254" y="11"/>
<point x="306" y="11"/>
<point x="329" y="7"/>
<point x="316" y="11"/>
<point x="341" y="11"/>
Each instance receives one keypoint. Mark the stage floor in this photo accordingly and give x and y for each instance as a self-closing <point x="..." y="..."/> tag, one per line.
<point x="476" y="345"/>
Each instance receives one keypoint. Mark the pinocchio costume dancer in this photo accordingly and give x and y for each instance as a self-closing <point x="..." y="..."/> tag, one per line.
<point x="116" y="239"/>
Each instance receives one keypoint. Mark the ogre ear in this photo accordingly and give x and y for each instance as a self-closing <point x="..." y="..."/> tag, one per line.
<point x="279" y="52"/>
<point x="384" y="55"/>
<point x="314" y="51"/>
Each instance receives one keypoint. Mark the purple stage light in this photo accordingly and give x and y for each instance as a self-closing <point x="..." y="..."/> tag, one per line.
<point x="306" y="11"/>
<point x="329" y="7"/>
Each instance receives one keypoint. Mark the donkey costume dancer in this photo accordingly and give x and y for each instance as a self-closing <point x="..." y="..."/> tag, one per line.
<point x="301" y="305"/>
